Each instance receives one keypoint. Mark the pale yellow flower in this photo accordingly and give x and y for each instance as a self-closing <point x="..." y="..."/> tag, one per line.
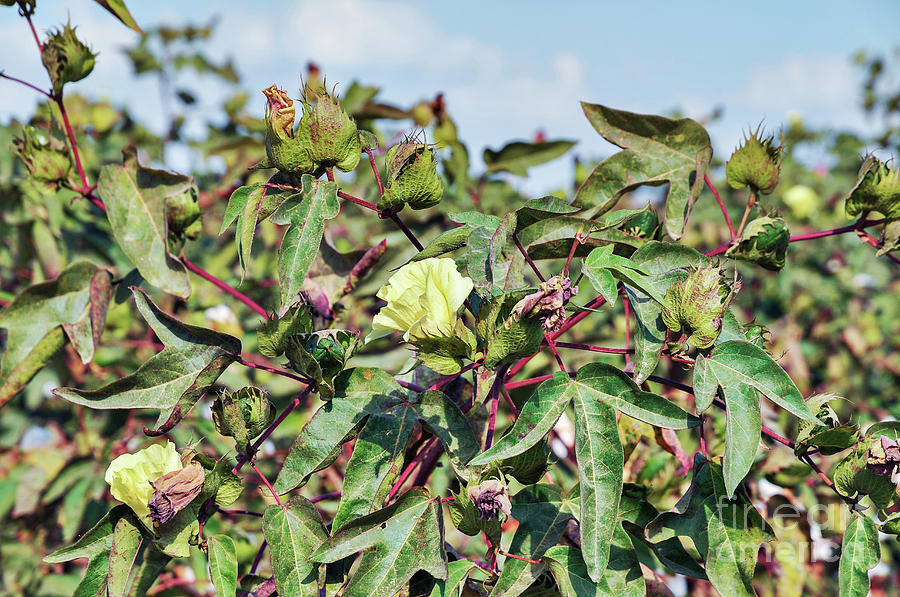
<point x="129" y="475"/>
<point x="423" y="300"/>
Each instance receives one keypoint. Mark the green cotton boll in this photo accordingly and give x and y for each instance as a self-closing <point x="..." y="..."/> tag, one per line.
<point x="66" y="58"/>
<point x="45" y="159"/>
<point x="696" y="305"/>
<point x="877" y="189"/>
<point x="284" y="150"/>
<point x="412" y="178"/>
<point x="521" y="339"/>
<point x="755" y="164"/>
<point x="243" y="414"/>
<point x="329" y="135"/>
<point x="764" y="242"/>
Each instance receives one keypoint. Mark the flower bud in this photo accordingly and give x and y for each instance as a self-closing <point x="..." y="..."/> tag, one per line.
<point x="756" y="163"/>
<point x="66" y="58"/>
<point x="284" y="151"/>
<point x="490" y="498"/>
<point x="764" y="242"/>
<point x="877" y="189"/>
<point x="412" y="178"/>
<point x="642" y="225"/>
<point x="329" y="134"/>
<point x="45" y="159"/>
<point x="422" y="113"/>
<point x="696" y="305"/>
<point x="243" y="414"/>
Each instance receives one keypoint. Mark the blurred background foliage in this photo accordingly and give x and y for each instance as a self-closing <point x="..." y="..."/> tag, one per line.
<point x="832" y="313"/>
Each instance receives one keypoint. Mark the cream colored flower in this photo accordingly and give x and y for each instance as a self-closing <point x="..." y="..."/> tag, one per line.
<point x="423" y="300"/>
<point x="129" y="475"/>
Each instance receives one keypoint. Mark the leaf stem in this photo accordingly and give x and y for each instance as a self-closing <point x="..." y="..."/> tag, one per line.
<point x="495" y="401"/>
<point x="26" y="84"/>
<point x="253" y="305"/>
<point x="417" y="459"/>
<point x="751" y="201"/>
<point x="266" y="482"/>
<point x="527" y="257"/>
<point x="70" y="134"/>
<point x="281" y="372"/>
<point x="27" y="14"/>
<point x="375" y="172"/>
<point x="715" y="193"/>
<point x="357" y="201"/>
<point x="868" y="238"/>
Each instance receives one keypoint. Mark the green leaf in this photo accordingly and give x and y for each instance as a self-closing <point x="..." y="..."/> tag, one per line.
<point x="236" y="203"/>
<point x="737" y="362"/>
<point x="172" y="380"/>
<point x="93" y="582"/>
<point x="135" y="199"/>
<point x="860" y="552"/>
<point x="444" y="419"/>
<point x="302" y="238"/>
<point x="622" y="578"/>
<point x="601" y="461"/>
<point x="118" y="9"/>
<point x="457" y="573"/>
<point x="395" y="542"/>
<point x="223" y="570"/>
<point x="656" y="150"/>
<point x="597" y="382"/>
<point x="601" y="265"/>
<point x="359" y="393"/>
<point x="542" y="515"/>
<point x="76" y="300"/>
<point x="537" y="418"/>
<point x="127" y="541"/>
<point x="487" y="265"/>
<point x="727" y="533"/>
<point x="518" y="157"/>
<point x="444" y="243"/>
<point x="293" y="532"/>
<point x="375" y="463"/>
<point x="22" y="373"/>
<point x="743" y="425"/>
<point x="614" y="387"/>
<point x="97" y="540"/>
<point x="542" y="208"/>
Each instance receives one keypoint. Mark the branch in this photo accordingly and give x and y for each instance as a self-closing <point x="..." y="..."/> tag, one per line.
<point x="26" y="84"/>
<point x="721" y="205"/>
<point x="225" y="287"/>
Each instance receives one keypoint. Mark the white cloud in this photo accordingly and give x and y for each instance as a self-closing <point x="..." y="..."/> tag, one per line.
<point x="799" y="82"/>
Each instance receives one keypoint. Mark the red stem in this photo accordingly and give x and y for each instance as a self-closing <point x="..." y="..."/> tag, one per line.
<point x="868" y="238"/>
<point x="721" y="205"/>
<point x="375" y="171"/>
<point x="495" y="401"/>
<point x="571" y="254"/>
<point x="280" y="372"/>
<point x="26" y="84"/>
<point x="417" y="459"/>
<point x="243" y="458"/>
<point x="37" y="40"/>
<point x="269" y="485"/>
<point x="325" y="496"/>
<point x="515" y="557"/>
<point x="409" y="234"/>
<point x="74" y="145"/>
<point x="528" y="259"/>
<point x="591" y="348"/>
<point x="357" y="201"/>
<point x="225" y="287"/>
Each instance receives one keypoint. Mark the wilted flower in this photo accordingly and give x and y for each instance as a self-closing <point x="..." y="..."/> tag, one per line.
<point x="756" y="163"/>
<point x="412" y="178"/>
<point x="884" y="456"/>
<point x="490" y="497"/>
<point x="174" y="491"/>
<point x="284" y="151"/>
<point x="697" y="304"/>
<point x="548" y="303"/>
<point x="130" y="475"/>
<point x="423" y="300"/>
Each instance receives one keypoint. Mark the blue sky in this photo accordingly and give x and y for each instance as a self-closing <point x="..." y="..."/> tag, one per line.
<point x="509" y="69"/>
